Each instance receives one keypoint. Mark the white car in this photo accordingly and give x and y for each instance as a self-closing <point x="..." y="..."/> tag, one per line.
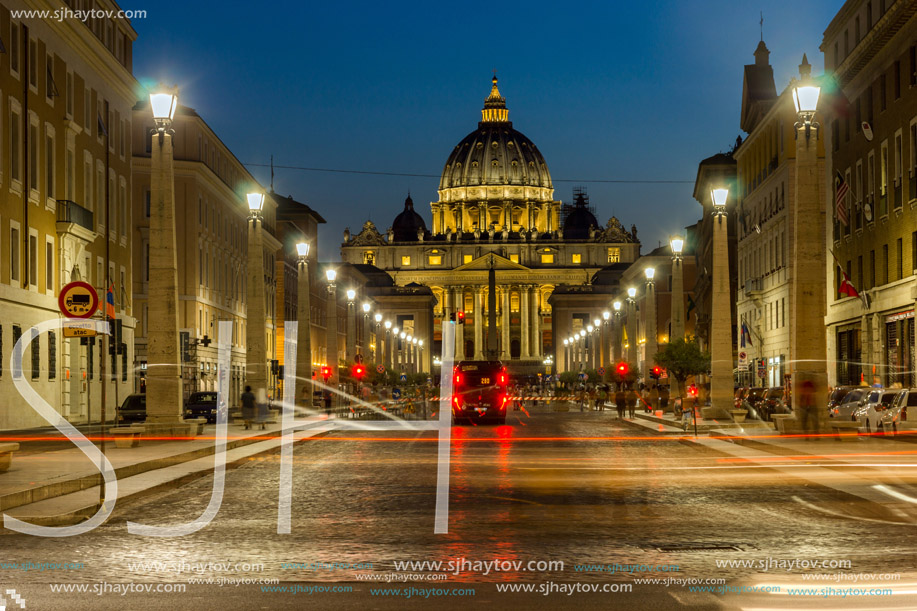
<point x="870" y="415"/>
<point x="897" y="413"/>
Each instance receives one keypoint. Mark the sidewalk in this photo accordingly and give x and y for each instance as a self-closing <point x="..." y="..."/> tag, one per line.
<point x="62" y="486"/>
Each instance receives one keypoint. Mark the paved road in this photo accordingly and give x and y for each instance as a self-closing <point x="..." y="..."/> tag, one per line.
<point x="579" y="488"/>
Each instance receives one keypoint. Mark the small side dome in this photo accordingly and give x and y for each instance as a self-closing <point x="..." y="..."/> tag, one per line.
<point x="408" y="223"/>
<point x="579" y="221"/>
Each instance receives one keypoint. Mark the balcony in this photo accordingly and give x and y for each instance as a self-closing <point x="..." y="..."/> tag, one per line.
<point x="71" y="212"/>
<point x="754" y="285"/>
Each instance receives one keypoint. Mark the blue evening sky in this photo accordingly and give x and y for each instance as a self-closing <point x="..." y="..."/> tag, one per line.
<point x="607" y="90"/>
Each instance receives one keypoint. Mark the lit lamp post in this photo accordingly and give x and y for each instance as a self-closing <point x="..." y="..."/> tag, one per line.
<point x="163" y="378"/>
<point x="678" y="290"/>
<point x="364" y="350"/>
<point x="808" y="356"/>
<point x="409" y="349"/>
<point x="394" y="351"/>
<point x="402" y="357"/>
<point x="350" y="327"/>
<point x="414" y="364"/>
<point x="606" y="338"/>
<point x="331" y="328"/>
<point x="632" y="325"/>
<point x="583" y="362"/>
<point x="616" y="340"/>
<point x="721" y="383"/>
<point x="387" y="345"/>
<point x="596" y="343"/>
<point x="567" y="353"/>
<point x="588" y="346"/>
<point x="376" y="349"/>
<point x="304" y="328"/>
<point x="651" y="345"/>
<point x="420" y="366"/>
<point x="255" y="311"/>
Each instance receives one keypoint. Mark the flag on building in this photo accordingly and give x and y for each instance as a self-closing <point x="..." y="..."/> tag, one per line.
<point x="846" y="287"/>
<point x="109" y="302"/>
<point x="840" y="198"/>
<point x="745" y="332"/>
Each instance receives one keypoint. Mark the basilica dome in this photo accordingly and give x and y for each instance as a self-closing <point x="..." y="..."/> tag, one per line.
<point x="580" y="221"/>
<point x="407" y="224"/>
<point x="495" y="161"/>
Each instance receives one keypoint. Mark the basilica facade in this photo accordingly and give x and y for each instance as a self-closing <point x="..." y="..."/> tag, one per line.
<point x="496" y="208"/>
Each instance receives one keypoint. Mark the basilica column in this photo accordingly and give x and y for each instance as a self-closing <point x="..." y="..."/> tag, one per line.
<point x="524" y="319"/>
<point x="459" y="304"/>
<point x="482" y="216"/>
<point x="479" y="323"/>
<point x="536" y="347"/>
<point x="505" y="330"/>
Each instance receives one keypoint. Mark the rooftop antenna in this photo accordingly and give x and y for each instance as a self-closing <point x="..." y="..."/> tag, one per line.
<point x="762" y="26"/>
<point x="272" y="173"/>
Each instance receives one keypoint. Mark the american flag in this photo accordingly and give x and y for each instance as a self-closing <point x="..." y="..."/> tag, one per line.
<point x="840" y="198"/>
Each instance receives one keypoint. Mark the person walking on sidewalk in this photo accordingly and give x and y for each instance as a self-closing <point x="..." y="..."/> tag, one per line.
<point x="248" y="407"/>
<point x="632" y="399"/>
<point x="620" y="402"/>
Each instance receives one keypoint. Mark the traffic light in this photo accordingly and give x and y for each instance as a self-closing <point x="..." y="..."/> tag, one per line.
<point x="460" y="317"/>
<point x="657" y="371"/>
<point x="326" y="373"/>
<point x="358" y="371"/>
<point x="622" y="369"/>
<point x="692" y="391"/>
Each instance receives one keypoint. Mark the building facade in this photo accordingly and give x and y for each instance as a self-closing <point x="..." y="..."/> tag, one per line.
<point x="212" y="249"/>
<point x="496" y="207"/>
<point x="764" y="219"/>
<point x="871" y="134"/>
<point x="65" y="179"/>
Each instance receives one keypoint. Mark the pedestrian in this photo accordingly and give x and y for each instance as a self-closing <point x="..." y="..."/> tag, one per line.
<point x="592" y="398"/>
<point x="620" y="402"/>
<point x="248" y="407"/>
<point x="808" y="414"/>
<point x="632" y="399"/>
<point x="644" y="397"/>
<point x="326" y="396"/>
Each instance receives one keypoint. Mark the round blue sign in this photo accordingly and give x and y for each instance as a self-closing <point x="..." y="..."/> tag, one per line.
<point x="396" y="393"/>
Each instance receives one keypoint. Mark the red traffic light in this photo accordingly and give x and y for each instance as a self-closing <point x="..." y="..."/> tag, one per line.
<point x="326" y="373"/>
<point x="460" y="316"/>
<point x="622" y="369"/>
<point x="358" y="371"/>
<point x="657" y="371"/>
<point x="692" y="391"/>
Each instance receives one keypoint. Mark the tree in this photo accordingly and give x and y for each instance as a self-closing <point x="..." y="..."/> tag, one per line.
<point x="683" y="358"/>
<point x="631" y="373"/>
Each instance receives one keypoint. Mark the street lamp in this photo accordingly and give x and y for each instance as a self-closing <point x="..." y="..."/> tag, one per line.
<point x="678" y="297"/>
<point x="376" y="350"/>
<point x="632" y="325"/>
<point x="420" y="355"/>
<point x="651" y="345"/>
<point x="616" y="332"/>
<point x="409" y="344"/>
<point x="331" y="327"/>
<point x="721" y="378"/>
<point x="808" y="342"/>
<point x="164" y="373"/>
<point x="387" y="346"/>
<point x="402" y="357"/>
<point x="606" y="339"/>
<point x="414" y="368"/>
<point x="256" y="311"/>
<point x="350" y="329"/>
<point x="365" y="348"/>
<point x="304" y="327"/>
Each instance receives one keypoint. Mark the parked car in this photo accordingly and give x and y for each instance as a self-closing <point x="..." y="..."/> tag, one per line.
<point x="837" y="395"/>
<point x="741" y="393"/>
<point x="132" y="409"/>
<point x="774" y="402"/>
<point x="870" y="415"/>
<point x="851" y="402"/>
<point x="898" y="411"/>
<point x="202" y="405"/>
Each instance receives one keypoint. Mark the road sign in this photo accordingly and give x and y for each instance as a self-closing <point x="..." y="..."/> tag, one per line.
<point x="583" y="376"/>
<point x="762" y="372"/>
<point x="396" y="393"/>
<point x="600" y="371"/>
<point x="403" y="377"/>
<point x="743" y="360"/>
<point x="380" y="368"/>
<point x="80" y="329"/>
<point x="78" y="300"/>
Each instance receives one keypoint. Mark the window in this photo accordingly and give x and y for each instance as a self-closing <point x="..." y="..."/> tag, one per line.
<point x="435" y="259"/>
<point x="885" y="264"/>
<point x="87" y="108"/>
<point x="49" y="166"/>
<point x="467" y="258"/>
<point x="50" y="87"/>
<point x="871" y="174"/>
<point x="14" y="254"/>
<point x="52" y="355"/>
<point x="35" y="345"/>
<point x="914" y="250"/>
<point x="33" y="259"/>
<point x="34" y="143"/>
<point x="900" y="262"/>
<point x="576" y="258"/>
<point x="49" y="266"/>
<point x="122" y="207"/>
<point x="614" y="255"/>
<point x="514" y="258"/>
<point x="872" y="269"/>
<point x="71" y="169"/>
<point x="33" y="64"/>
<point x="406" y="259"/>
<point x="547" y="257"/>
<point x="15" y="143"/>
<point x="856" y="31"/>
<point x="912" y="53"/>
<point x="87" y="181"/>
<point x="14" y="48"/>
<point x="869" y="15"/>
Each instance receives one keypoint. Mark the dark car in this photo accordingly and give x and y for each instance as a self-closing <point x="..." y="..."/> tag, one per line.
<point x="133" y="409"/>
<point x="774" y="402"/>
<point x="480" y="392"/>
<point x="202" y="405"/>
<point x="837" y="395"/>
